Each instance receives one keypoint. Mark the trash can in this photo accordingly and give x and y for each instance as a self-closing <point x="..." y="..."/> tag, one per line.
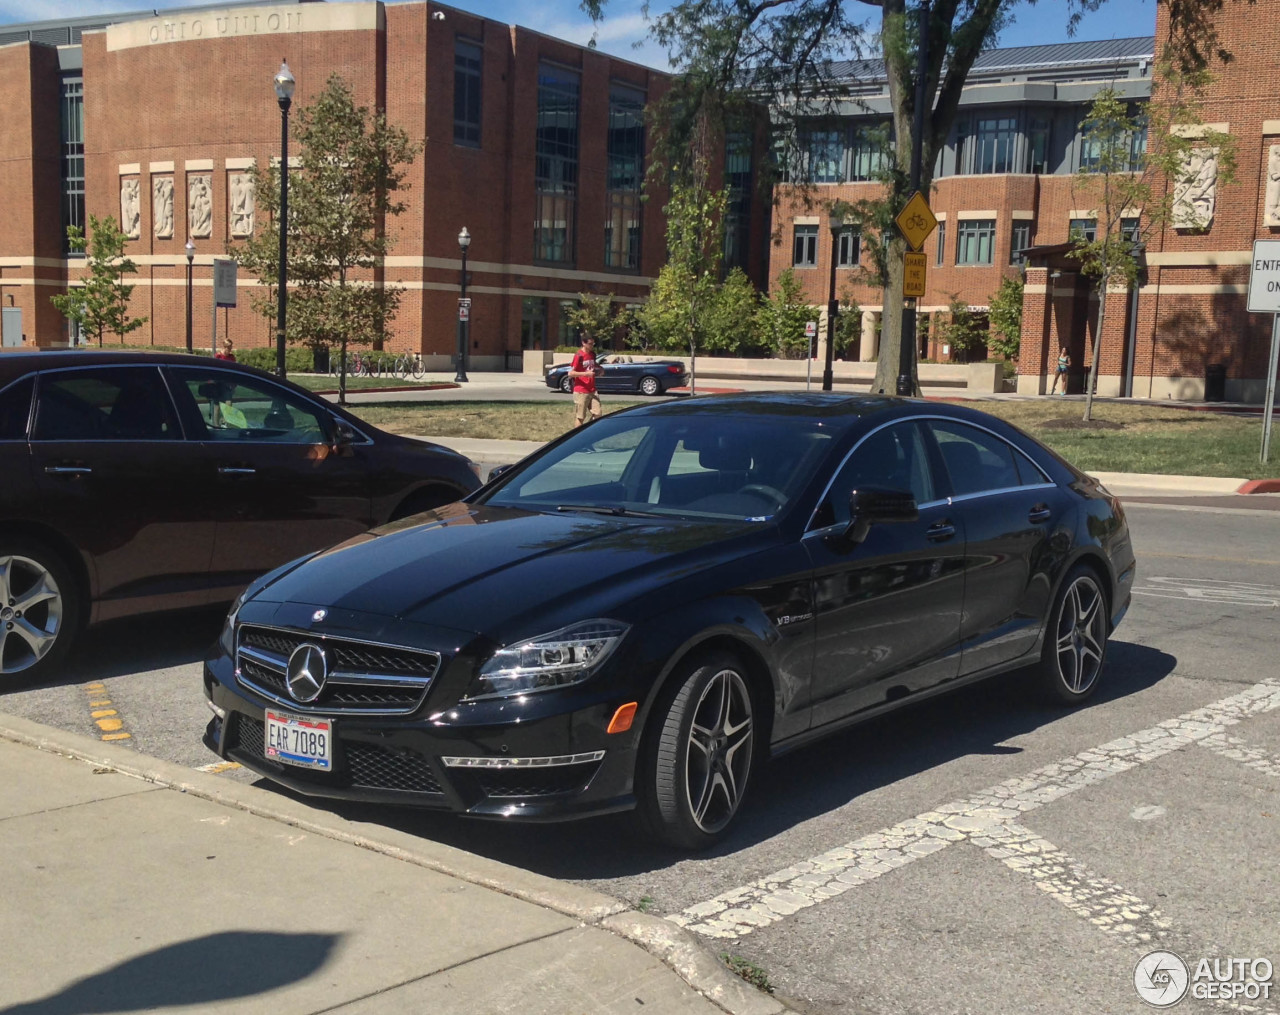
<point x="1215" y="382"/>
<point x="320" y="359"/>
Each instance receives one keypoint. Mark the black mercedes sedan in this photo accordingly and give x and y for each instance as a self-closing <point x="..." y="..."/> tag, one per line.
<point x="628" y="374"/>
<point x="641" y="613"/>
<point x="133" y="482"/>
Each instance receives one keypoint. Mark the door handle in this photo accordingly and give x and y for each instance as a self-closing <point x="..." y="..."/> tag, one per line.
<point x="939" y="531"/>
<point x="68" y="470"/>
<point x="1039" y="513"/>
<point x="236" y="470"/>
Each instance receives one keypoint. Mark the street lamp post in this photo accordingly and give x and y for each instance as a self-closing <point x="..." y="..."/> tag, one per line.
<point x="464" y="311"/>
<point x="833" y="304"/>
<point x="191" y="256"/>
<point x="284" y="82"/>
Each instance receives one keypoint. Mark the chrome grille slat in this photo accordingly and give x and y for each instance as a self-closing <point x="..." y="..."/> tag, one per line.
<point x="367" y="678"/>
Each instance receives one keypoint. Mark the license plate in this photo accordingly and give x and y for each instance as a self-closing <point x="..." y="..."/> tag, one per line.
<point x="299" y="740"/>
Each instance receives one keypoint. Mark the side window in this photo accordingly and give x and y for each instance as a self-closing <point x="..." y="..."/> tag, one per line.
<point x="978" y="461"/>
<point x="104" y="404"/>
<point x="893" y="458"/>
<point x="15" y="409"/>
<point x="235" y="407"/>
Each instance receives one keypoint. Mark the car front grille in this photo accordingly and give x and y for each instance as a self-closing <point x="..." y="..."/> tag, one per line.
<point x="363" y="678"/>
<point x="360" y="764"/>
<point x="526" y="782"/>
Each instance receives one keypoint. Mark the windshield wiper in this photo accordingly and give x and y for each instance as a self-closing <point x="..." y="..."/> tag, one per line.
<point x="614" y="510"/>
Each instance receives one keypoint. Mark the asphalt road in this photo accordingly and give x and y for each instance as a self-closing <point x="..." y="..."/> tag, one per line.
<point x="977" y="853"/>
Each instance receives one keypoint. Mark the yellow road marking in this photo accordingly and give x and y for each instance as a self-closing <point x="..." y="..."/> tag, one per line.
<point x="100" y="704"/>
<point x="116" y="736"/>
<point x="101" y="713"/>
<point x="106" y="718"/>
<point x="219" y="766"/>
<point x="110" y="725"/>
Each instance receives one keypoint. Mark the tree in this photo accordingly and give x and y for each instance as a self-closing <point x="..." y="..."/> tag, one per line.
<point x="848" y="324"/>
<point x="1005" y="315"/>
<point x="731" y="318"/>
<point x="963" y="331"/>
<point x="675" y="316"/>
<point x="1126" y="183"/>
<point x="340" y="198"/>
<point x="101" y="303"/>
<point x="781" y="54"/>
<point x="593" y="316"/>
<point x="783" y="315"/>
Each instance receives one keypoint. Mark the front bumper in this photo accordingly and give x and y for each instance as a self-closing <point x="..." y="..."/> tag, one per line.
<point x="400" y="760"/>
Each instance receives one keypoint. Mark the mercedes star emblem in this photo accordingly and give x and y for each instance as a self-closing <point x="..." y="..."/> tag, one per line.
<point x="306" y="672"/>
<point x="318" y="616"/>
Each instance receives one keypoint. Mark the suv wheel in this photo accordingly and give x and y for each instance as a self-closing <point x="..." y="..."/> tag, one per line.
<point x="39" y="610"/>
<point x="1075" y="639"/>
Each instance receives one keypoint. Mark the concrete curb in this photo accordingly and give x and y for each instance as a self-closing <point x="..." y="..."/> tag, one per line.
<point x="1260" y="486"/>
<point x="1184" y="485"/>
<point x="676" y="947"/>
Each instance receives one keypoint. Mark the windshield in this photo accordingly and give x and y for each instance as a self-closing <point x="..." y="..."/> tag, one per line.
<point x="692" y="466"/>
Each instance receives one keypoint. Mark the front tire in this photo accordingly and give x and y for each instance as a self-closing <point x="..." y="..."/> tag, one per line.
<point x="700" y="754"/>
<point x="39" y="610"/>
<point x="650" y="386"/>
<point x="1075" y="639"/>
<point x="566" y="384"/>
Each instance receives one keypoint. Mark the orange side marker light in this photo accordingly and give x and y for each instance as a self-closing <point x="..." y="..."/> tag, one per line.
<point x="622" y="719"/>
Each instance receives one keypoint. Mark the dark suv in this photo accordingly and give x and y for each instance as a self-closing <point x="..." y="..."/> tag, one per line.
<point x="134" y="482"/>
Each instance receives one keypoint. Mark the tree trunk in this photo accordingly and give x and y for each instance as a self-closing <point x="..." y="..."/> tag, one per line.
<point x="886" y="379"/>
<point x="342" y="371"/>
<point x="1097" y="343"/>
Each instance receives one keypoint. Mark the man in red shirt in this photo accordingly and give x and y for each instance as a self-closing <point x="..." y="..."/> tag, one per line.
<point x="584" y="369"/>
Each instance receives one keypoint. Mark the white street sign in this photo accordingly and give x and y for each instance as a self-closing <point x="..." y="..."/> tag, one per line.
<point x="1264" y="277"/>
<point x="224" y="282"/>
<point x="810" y="329"/>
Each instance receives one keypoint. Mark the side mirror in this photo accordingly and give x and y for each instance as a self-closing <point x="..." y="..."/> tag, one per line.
<point x="343" y="435"/>
<point x="872" y="506"/>
<point x="498" y="470"/>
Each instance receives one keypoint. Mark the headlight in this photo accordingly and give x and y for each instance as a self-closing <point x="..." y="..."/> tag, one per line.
<point x="563" y="657"/>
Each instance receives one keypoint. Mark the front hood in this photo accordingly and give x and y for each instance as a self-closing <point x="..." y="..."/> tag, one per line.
<point x="473" y="567"/>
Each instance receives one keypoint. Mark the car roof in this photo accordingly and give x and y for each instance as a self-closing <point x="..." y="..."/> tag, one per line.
<point x="15" y="364"/>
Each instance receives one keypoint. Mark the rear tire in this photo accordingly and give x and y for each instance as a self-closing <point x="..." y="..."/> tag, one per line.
<point x="1075" y="639"/>
<point x="566" y="384"/>
<point x="650" y="386"/>
<point x="699" y="753"/>
<point x="40" y="605"/>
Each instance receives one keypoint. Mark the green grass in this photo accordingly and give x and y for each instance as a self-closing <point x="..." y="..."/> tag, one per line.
<point x="1123" y="437"/>
<point x="323" y="382"/>
<point x="749" y="971"/>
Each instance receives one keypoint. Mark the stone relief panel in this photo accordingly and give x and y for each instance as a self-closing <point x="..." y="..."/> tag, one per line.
<point x="241" y="190"/>
<point x="162" y="206"/>
<point x="130" y="209"/>
<point x="1271" y="216"/>
<point x="200" y="206"/>
<point x="1195" y="194"/>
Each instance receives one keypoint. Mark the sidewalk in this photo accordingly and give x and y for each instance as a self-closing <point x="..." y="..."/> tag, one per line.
<point x="133" y="884"/>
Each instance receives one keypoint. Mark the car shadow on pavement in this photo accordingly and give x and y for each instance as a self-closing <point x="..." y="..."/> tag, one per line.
<point x="205" y="971"/>
<point x="140" y="644"/>
<point x="797" y="787"/>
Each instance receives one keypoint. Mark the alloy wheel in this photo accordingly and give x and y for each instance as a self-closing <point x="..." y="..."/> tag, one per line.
<point x="718" y="761"/>
<point x="1081" y="635"/>
<point x="649" y="385"/>
<point x="31" y="613"/>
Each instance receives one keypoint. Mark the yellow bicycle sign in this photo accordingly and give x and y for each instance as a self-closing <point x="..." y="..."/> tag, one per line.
<point x="916" y="221"/>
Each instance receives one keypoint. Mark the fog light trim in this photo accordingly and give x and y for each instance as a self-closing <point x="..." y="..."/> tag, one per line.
<point x="555" y="760"/>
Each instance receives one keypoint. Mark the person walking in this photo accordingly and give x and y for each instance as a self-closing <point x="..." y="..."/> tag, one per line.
<point x="584" y="370"/>
<point x="1064" y="362"/>
<point x="228" y="351"/>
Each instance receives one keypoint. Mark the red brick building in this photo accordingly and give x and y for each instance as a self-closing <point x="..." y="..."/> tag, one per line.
<point x="535" y="145"/>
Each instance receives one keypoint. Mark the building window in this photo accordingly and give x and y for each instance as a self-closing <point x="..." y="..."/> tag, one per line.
<point x="867" y="152"/>
<point x="805" y="253"/>
<point x="942" y="243"/>
<point x="467" y="59"/>
<point x="1138" y="143"/>
<point x="568" y="333"/>
<point x="848" y="242"/>
<point x="626" y="175"/>
<point x="556" y="164"/>
<point x="1020" y="241"/>
<point x="72" y="156"/>
<point x="1126" y="152"/>
<point x="1131" y="230"/>
<point x="1038" y="135"/>
<point x="993" y="145"/>
<point x="737" y="219"/>
<point x="975" y="240"/>
<point x="824" y="155"/>
<point x="533" y="323"/>
<point x="1086" y="229"/>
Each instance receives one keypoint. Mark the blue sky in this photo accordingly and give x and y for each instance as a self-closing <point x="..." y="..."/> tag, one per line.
<point x="625" y="25"/>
